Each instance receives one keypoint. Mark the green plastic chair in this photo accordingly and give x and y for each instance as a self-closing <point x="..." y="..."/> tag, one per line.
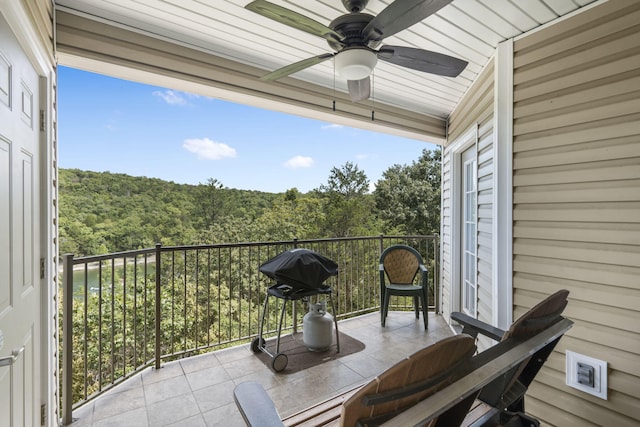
<point x="399" y="266"/>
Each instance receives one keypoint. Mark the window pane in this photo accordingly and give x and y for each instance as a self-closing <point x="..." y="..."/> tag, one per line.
<point x="472" y="300"/>
<point x="472" y="269"/>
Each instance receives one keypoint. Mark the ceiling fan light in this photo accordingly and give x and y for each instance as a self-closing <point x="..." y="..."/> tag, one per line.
<point x="355" y="64"/>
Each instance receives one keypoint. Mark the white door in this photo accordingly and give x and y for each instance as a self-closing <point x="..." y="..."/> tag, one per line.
<point x="468" y="232"/>
<point x="19" y="235"/>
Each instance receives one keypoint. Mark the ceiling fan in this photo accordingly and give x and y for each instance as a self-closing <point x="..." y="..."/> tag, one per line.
<point x="355" y="38"/>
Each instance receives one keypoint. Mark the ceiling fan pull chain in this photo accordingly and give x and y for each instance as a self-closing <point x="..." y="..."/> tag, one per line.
<point x="334" y="85"/>
<point x="373" y="96"/>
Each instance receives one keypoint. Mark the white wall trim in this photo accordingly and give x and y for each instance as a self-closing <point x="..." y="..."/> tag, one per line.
<point x="468" y="139"/>
<point x="49" y="234"/>
<point x="444" y="153"/>
<point x="22" y="27"/>
<point x="503" y="188"/>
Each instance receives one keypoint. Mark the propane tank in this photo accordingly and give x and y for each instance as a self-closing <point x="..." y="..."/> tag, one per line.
<point x="317" y="327"/>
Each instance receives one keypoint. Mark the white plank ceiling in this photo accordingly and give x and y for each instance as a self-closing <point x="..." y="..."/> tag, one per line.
<point x="468" y="29"/>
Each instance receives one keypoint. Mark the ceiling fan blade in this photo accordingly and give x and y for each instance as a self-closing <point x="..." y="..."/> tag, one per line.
<point x="359" y="90"/>
<point x="399" y="15"/>
<point x="422" y="60"/>
<point x="293" y="19"/>
<point x="297" y="66"/>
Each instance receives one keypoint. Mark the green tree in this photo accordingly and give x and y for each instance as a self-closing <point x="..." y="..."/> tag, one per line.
<point x="291" y="194"/>
<point x="211" y="201"/>
<point x="408" y="197"/>
<point x="300" y="217"/>
<point x="347" y="209"/>
<point x="347" y="181"/>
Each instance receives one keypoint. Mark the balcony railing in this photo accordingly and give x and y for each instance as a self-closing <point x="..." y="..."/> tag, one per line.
<point x="130" y="310"/>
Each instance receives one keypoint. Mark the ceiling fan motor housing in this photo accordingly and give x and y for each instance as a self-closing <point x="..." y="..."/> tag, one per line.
<point x="355" y="5"/>
<point x="351" y="26"/>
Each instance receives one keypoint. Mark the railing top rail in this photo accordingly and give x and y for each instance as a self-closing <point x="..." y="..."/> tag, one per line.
<point x="136" y="252"/>
<point x="105" y="257"/>
<point x="294" y="242"/>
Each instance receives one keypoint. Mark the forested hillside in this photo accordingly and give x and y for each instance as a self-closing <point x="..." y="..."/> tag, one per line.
<point x="103" y="212"/>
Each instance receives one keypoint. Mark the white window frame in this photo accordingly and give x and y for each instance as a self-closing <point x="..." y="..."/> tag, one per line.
<point x="467" y="140"/>
<point x="469" y="231"/>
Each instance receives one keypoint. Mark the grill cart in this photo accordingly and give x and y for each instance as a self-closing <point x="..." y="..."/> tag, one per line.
<point x="299" y="274"/>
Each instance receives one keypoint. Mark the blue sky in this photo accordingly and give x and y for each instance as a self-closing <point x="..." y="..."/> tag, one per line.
<point x="108" y="124"/>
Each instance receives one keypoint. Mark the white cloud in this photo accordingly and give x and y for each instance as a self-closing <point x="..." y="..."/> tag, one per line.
<point x="332" y="126"/>
<point x="207" y="149"/>
<point x="362" y="156"/>
<point x="298" y="162"/>
<point x="171" y="97"/>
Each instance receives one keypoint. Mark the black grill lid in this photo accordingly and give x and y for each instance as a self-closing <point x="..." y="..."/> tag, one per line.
<point x="300" y="267"/>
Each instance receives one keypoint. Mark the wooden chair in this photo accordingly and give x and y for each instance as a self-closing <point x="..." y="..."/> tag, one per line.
<point x="431" y="389"/>
<point x="399" y="266"/>
<point x="487" y="369"/>
<point x="418" y="376"/>
<point x="506" y="394"/>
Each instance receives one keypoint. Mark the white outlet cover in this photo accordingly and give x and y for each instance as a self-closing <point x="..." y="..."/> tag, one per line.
<point x="600" y="374"/>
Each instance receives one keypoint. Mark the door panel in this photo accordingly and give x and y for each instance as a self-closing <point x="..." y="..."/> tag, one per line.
<point x="24" y="219"/>
<point x="19" y="231"/>
<point x="5" y="227"/>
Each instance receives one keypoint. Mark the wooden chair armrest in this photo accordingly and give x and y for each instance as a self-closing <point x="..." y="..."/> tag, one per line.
<point x="473" y="326"/>
<point x="255" y="405"/>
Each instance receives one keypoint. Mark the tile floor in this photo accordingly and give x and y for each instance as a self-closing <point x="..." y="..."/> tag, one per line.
<point x="198" y="391"/>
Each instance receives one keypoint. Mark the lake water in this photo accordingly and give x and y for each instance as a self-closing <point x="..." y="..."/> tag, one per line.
<point x="93" y="277"/>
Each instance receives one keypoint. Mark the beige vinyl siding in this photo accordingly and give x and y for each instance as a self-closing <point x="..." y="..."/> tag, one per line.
<point x="445" y="232"/>
<point x="133" y="55"/>
<point x="577" y="203"/>
<point x="476" y="109"/>
<point x="476" y="105"/>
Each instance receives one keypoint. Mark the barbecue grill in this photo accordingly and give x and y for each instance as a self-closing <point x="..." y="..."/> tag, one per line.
<point x="298" y="274"/>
